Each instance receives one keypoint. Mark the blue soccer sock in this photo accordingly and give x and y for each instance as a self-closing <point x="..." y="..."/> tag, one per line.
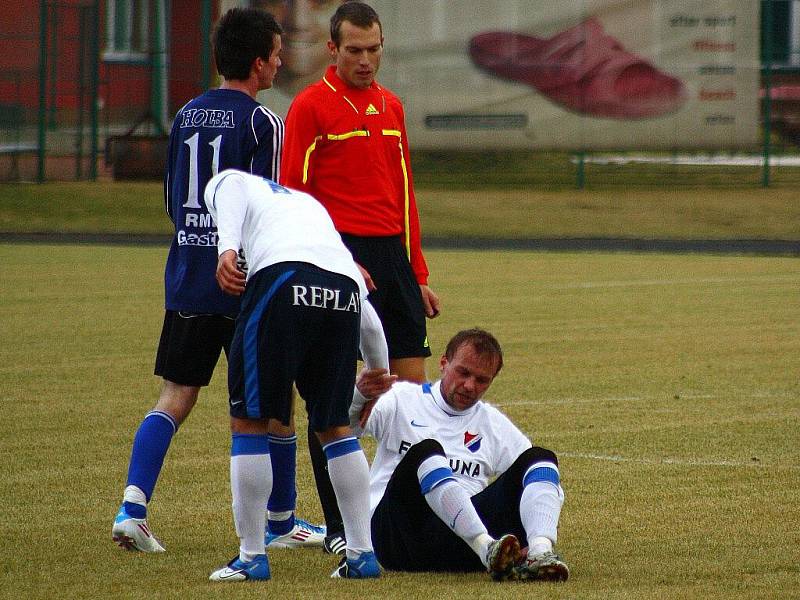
<point x="283" y="499"/>
<point x="150" y="445"/>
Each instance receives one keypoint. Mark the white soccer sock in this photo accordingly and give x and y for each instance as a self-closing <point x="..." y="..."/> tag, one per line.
<point x="349" y="473"/>
<point x="539" y="510"/>
<point x="251" y="483"/>
<point x="135" y="495"/>
<point x="452" y="504"/>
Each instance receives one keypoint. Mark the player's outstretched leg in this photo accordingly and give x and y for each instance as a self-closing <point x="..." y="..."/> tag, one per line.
<point x="150" y="444"/>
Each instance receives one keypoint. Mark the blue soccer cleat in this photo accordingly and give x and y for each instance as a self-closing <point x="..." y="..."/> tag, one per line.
<point x="364" y="567"/>
<point x="237" y="570"/>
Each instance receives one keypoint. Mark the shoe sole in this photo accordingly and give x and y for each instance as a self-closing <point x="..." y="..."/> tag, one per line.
<point x="295" y="545"/>
<point x="554" y="573"/>
<point x="128" y="543"/>
<point x="505" y="559"/>
<point x="125" y="542"/>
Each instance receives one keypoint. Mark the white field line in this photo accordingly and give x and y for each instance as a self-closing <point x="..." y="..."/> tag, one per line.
<point x="732" y="160"/>
<point x="670" y="282"/>
<point x="563" y="401"/>
<point x="701" y="462"/>
<point x="680" y="462"/>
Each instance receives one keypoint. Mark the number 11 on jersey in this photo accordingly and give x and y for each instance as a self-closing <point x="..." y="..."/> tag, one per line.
<point x="192" y="198"/>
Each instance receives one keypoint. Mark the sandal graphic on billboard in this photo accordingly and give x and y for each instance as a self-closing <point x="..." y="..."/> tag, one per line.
<point x="582" y="69"/>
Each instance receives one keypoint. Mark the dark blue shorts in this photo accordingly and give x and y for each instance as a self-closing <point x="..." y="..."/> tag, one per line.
<point x="298" y="324"/>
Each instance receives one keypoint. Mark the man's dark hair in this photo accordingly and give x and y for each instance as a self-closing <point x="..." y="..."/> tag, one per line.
<point x="483" y="342"/>
<point x="241" y="36"/>
<point x="359" y="14"/>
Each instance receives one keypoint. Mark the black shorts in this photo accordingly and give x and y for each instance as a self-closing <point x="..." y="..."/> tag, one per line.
<point x="190" y="346"/>
<point x="408" y="536"/>
<point x="299" y="324"/>
<point x="397" y="299"/>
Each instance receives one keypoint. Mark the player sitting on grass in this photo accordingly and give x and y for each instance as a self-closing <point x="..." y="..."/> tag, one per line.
<point x="439" y="445"/>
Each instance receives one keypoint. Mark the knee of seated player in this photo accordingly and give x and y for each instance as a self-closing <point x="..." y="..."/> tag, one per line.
<point x="177" y="400"/>
<point x="541" y="465"/>
<point x="538" y="454"/>
<point x="423" y="450"/>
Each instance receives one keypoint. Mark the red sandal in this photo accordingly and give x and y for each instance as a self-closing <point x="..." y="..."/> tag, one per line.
<point x="583" y="70"/>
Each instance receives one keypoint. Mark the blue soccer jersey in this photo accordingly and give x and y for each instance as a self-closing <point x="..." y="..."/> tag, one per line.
<point x="220" y="129"/>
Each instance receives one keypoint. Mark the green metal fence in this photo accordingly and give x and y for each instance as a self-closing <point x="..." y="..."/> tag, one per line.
<point x="54" y="123"/>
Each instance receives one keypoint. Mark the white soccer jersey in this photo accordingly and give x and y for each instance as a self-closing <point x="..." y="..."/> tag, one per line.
<point x="480" y="442"/>
<point x="274" y="224"/>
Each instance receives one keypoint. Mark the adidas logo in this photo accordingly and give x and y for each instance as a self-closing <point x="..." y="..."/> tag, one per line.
<point x="371" y="110"/>
<point x="301" y="535"/>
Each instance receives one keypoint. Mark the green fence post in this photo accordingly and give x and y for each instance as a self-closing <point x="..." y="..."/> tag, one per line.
<point x="767" y="68"/>
<point x="205" y="46"/>
<point x="94" y="74"/>
<point x="42" y="89"/>
<point x="579" y="172"/>
<point x="52" y="116"/>
<point x="81" y="101"/>
<point x="158" y="75"/>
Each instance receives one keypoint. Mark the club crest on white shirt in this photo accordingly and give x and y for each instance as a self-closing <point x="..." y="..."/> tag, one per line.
<point x="472" y="441"/>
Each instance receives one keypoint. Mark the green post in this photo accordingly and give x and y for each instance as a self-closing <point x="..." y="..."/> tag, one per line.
<point x="94" y="76"/>
<point x="579" y="173"/>
<point x="157" y="77"/>
<point x="83" y="33"/>
<point x="205" y="46"/>
<point x="767" y="91"/>
<point x="52" y="118"/>
<point x="42" y="124"/>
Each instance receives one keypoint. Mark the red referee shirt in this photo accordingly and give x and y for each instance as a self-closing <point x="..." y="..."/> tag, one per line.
<point x="348" y="148"/>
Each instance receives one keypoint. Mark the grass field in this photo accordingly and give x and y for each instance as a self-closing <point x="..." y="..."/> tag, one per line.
<point x="623" y="212"/>
<point x="668" y="385"/>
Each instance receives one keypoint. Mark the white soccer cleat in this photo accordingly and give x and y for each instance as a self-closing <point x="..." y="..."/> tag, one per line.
<point x="501" y="555"/>
<point x="547" y="566"/>
<point x="302" y="535"/>
<point x="134" y="534"/>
